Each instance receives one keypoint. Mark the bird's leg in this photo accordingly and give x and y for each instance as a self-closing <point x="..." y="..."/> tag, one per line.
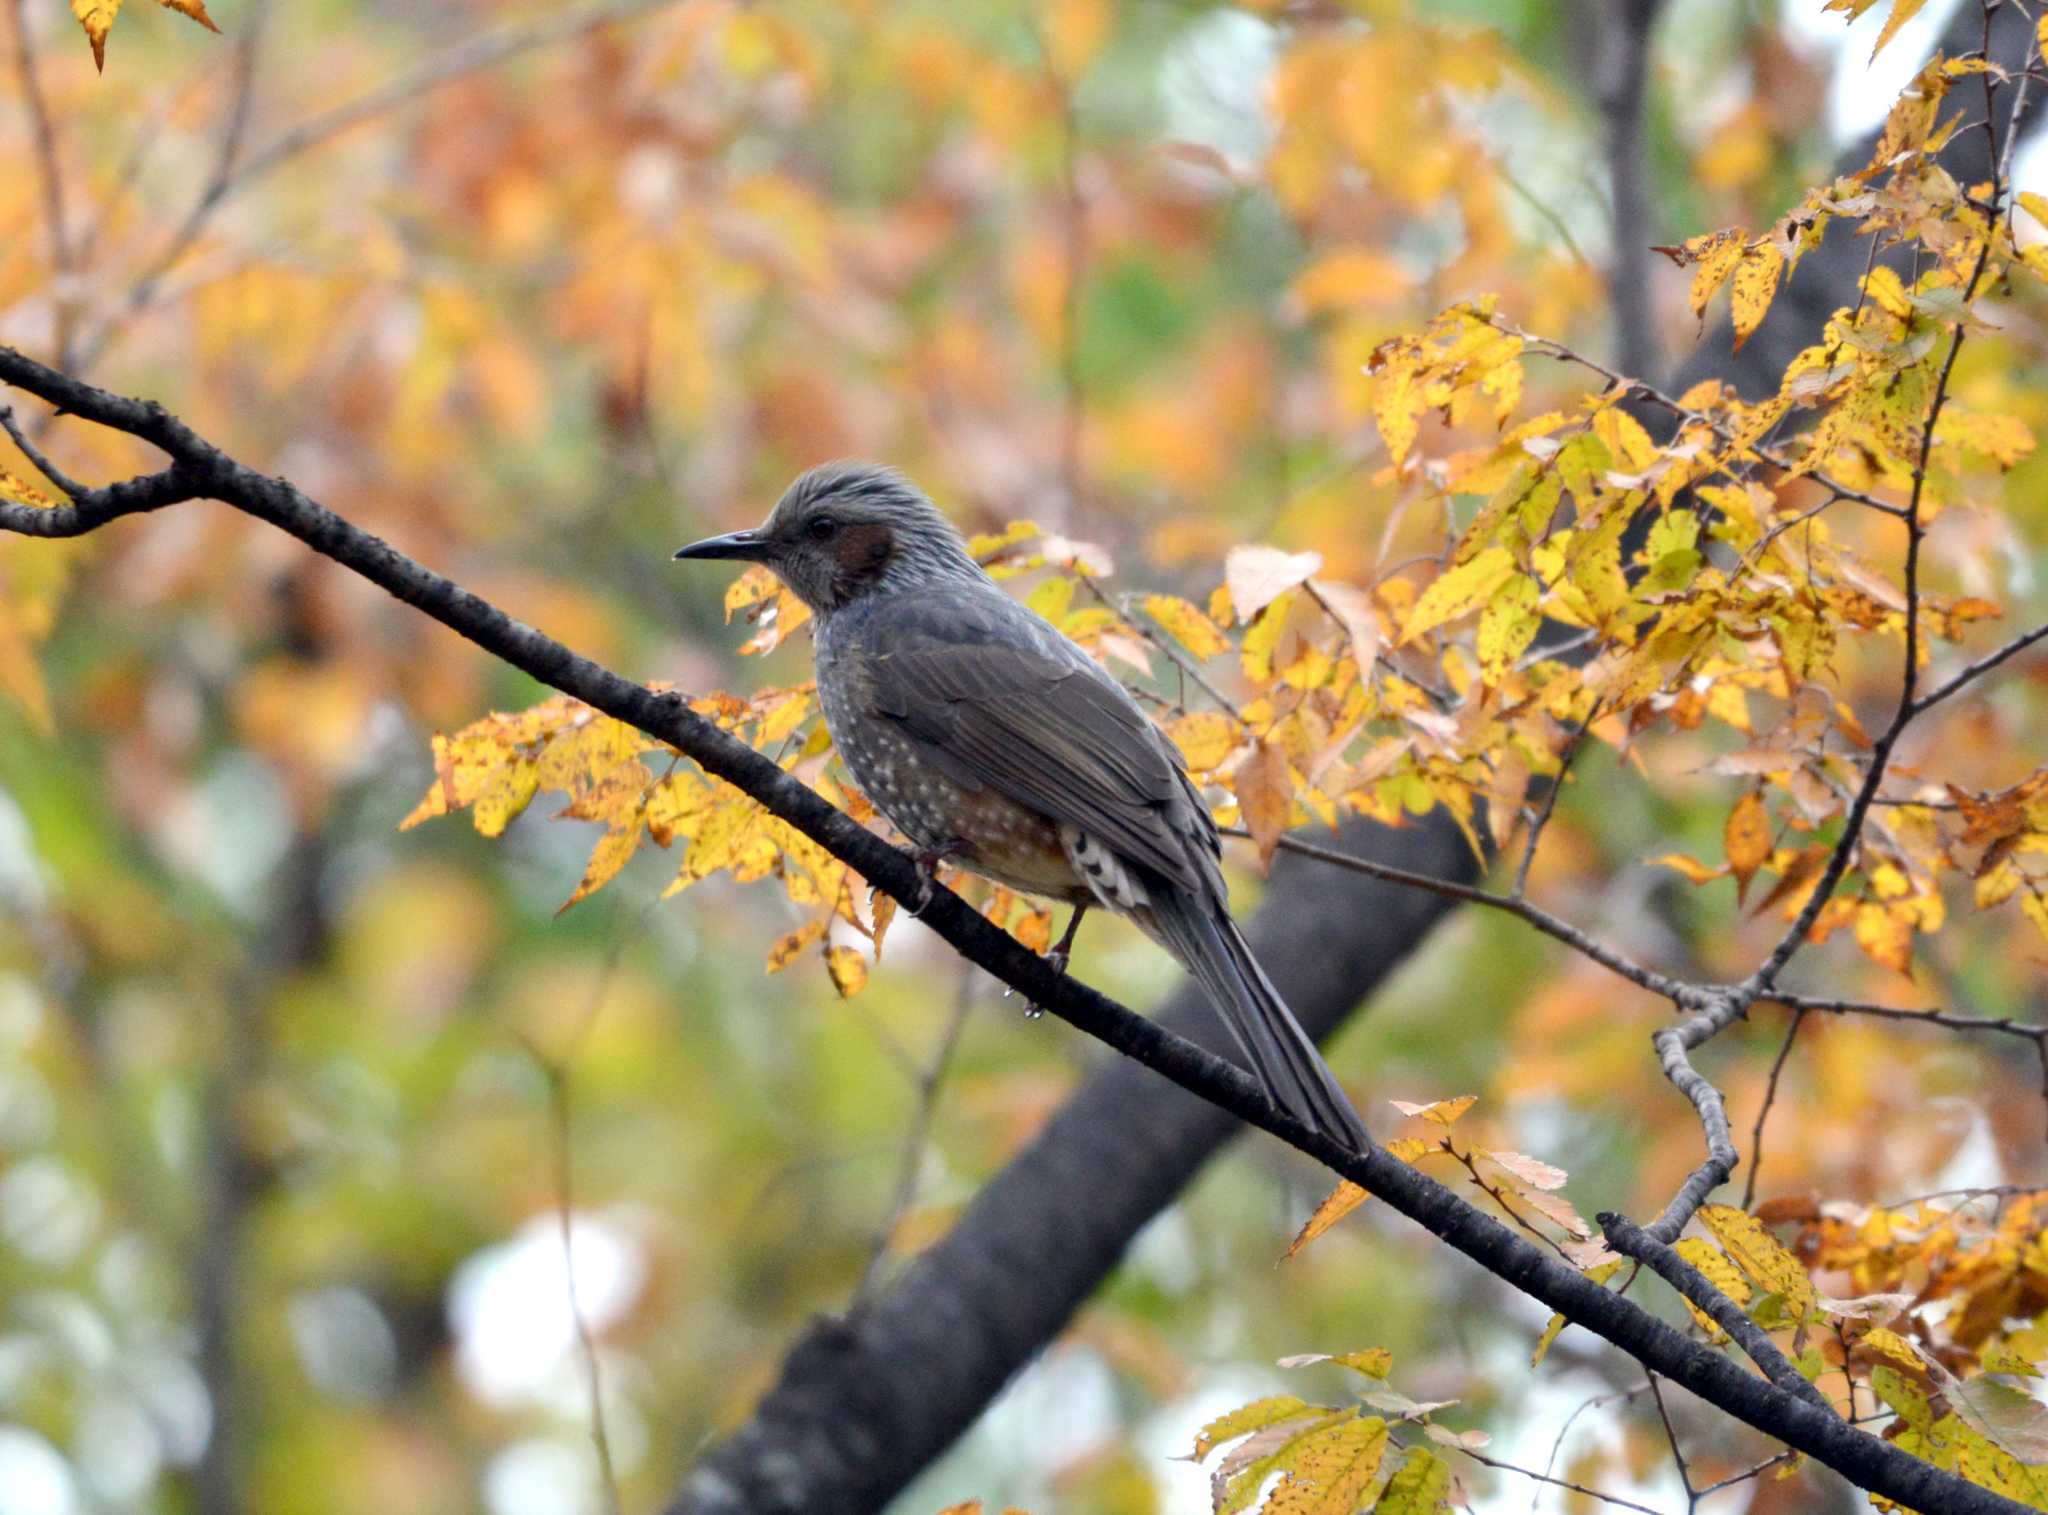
<point x="928" y="860"/>
<point x="1063" y="950"/>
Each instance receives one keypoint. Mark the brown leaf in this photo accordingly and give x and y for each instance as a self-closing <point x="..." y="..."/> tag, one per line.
<point x="1265" y="797"/>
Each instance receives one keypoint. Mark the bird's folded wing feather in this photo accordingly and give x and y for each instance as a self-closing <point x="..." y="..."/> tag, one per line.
<point x="1004" y="708"/>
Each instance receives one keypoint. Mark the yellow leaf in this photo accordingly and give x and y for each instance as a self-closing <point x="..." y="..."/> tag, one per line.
<point x="1333" y="1471"/>
<point x="1256" y="1416"/>
<point x="1408" y="1148"/>
<point x="1443" y="1112"/>
<point x="1206" y="739"/>
<point x="849" y="970"/>
<point x="979" y="547"/>
<point x="1893" y="1345"/>
<point x="504" y="796"/>
<point x="1598" y="1274"/>
<point x="1507" y="626"/>
<point x="1186" y="624"/>
<point x="97" y="17"/>
<point x="1256" y="576"/>
<point x="1712" y="257"/>
<point x="1885" y="933"/>
<point x="784" y="952"/>
<point x="1262" y="637"/>
<point x="1746" y="837"/>
<point x="1694" y="870"/>
<point x="1458" y="592"/>
<point x="1902" y="12"/>
<point x="613" y="851"/>
<point x="1342" y="1200"/>
<point x="1774" y="1269"/>
<point x="1720" y="1272"/>
<point x="1756" y="283"/>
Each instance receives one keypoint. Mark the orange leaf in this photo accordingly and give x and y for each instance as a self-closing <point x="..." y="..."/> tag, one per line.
<point x="1747" y="839"/>
<point x="97" y="17"/>
<point x="1343" y="1199"/>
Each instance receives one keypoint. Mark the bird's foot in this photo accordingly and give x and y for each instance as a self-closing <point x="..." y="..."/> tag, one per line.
<point x="928" y="860"/>
<point x="1058" y="956"/>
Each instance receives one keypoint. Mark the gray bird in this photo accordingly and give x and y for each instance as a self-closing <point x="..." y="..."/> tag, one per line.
<point x="989" y="738"/>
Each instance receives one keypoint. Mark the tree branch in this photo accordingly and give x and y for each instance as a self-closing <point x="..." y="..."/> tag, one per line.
<point x="1777" y="1408"/>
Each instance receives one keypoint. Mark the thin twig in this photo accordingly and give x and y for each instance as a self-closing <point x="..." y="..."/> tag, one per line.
<point x="1537" y="826"/>
<point x="1559" y="1483"/>
<point x="1763" y="1113"/>
<point x="50" y="176"/>
<point x="929" y="1081"/>
<point x="1692" y="1499"/>
<point x="1550" y="925"/>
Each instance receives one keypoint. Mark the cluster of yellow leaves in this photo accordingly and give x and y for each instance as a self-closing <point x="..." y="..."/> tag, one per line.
<point x="97" y="17"/>
<point x="1333" y="1460"/>
<point x="1948" y="1326"/>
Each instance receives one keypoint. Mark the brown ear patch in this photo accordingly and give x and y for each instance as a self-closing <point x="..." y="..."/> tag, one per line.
<point x="862" y="554"/>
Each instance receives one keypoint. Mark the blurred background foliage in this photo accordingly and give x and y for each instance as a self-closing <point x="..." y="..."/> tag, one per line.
<point x="285" y="1095"/>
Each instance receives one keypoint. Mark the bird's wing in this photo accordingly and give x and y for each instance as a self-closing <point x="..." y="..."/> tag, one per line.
<point x="998" y="699"/>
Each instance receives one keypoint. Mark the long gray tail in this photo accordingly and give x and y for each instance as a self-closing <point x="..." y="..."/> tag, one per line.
<point x="1283" y="1058"/>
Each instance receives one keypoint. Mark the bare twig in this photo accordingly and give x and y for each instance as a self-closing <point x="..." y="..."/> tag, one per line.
<point x="50" y="177"/>
<point x="1763" y="1111"/>
<point x="929" y="1080"/>
<point x="1542" y="821"/>
<point x="1692" y="1498"/>
<point x="1557" y="1483"/>
<point x="1550" y="925"/>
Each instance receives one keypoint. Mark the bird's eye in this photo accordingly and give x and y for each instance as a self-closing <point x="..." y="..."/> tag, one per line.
<point x="822" y="528"/>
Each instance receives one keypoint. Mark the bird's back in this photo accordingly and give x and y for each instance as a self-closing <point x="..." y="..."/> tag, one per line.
<point x="965" y="685"/>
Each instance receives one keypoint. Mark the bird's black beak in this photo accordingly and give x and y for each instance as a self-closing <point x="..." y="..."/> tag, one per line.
<point x="747" y="546"/>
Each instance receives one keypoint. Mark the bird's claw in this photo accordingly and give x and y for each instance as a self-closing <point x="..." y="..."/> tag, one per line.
<point x="928" y="860"/>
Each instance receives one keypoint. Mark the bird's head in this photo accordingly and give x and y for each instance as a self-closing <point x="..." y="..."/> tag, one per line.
<point x="847" y="530"/>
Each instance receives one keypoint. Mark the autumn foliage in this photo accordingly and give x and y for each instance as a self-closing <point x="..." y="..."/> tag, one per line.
<point x="1729" y="690"/>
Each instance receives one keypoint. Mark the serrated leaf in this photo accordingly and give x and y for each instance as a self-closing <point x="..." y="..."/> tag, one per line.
<point x="1331" y="1472"/>
<point x="1341" y="1201"/>
<point x="613" y="851"/>
<point x="1529" y="1170"/>
<point x="1459" y="591"/>
<point x="1762" y="1257"/>
<point x="1756" y="284"/>
<point x="1373" y="1362"/>
<point x="1186" y="624"/>
<point x="1262" y="637"/>
<point x="1507" y="626"/>
<point x="1422" y="1484"/>
<point x="1443" y="1112"/>
<point x="1256" y="1416"/>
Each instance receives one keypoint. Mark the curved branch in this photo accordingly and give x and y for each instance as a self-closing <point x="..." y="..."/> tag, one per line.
<point x="1776" y="1410"/>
